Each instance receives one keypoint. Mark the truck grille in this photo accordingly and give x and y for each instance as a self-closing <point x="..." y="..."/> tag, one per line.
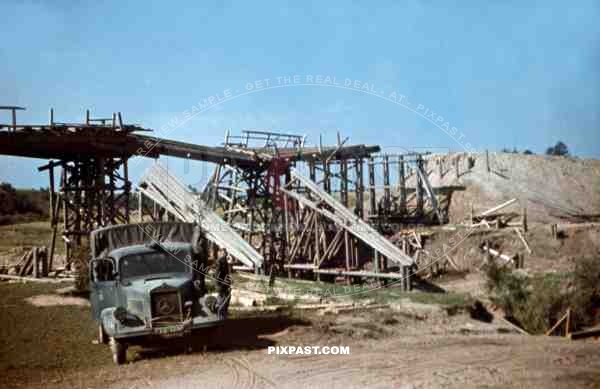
<point x="166" y="307"/>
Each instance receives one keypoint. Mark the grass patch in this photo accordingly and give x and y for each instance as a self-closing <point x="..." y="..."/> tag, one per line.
<point x="364" y="292"/>
<point x="45" y="337"/>
<point x="28" y="235"/>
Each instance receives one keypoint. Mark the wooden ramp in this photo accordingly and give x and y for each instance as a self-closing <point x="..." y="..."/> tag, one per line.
<point x="171" y="194"/>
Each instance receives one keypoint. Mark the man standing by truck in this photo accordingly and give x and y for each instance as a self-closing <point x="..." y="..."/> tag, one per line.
<point x="223" y="286"/>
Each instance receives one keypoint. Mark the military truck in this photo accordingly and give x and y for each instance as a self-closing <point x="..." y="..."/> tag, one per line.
<point x="147" y="282"/>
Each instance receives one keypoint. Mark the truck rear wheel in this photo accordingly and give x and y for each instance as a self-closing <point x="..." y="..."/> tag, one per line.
<point x="119" y="351"/>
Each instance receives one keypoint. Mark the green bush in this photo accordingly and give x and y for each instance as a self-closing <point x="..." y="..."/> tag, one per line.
<point x="585" y="292"/>
<point x="534" y="303"/>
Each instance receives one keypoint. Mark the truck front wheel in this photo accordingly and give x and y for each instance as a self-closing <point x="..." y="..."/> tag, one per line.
<point x="119" y="351"/>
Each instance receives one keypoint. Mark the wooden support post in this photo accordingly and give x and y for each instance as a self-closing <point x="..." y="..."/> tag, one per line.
<point x="67" y="222"/>
<point x="456" y="167"/>
<point x="51" y="198"/>
<point x="359" y="188"/>
<point x="487" y="160"/>
<point x="100" y="184"/>
<point x="344" y="182"/>
<point x="317" y="259"/>
<point x="372" y="200"/>
<point x="554" y="231"/>
<point x="406" y="276"/>
<point x="14" y="119"/>
<point x="326" y="176"/>
<point x="312" y="171"/>
<point x="471" y="215"/>
<point x="44" y="255"/>
<point x="140" y="207"/>
<point x="355" y="252"/>
<point x="126" y="189"/>
<point x="375" y="261"/>
<point x="419" y="186"/>
<point x="347" y="253"/>
<point x="52" y="247"/>
<point x="387" y="201"/>
<point x="36" y="265"/>
<point x="402" y="184"/>
<point x="51" y="118"/>
<point x="524" y="218"/>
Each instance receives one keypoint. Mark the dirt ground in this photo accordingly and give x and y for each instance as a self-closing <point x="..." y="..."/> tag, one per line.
<point x="409" y="345"/>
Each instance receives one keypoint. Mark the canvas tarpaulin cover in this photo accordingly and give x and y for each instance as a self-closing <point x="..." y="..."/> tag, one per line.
<point x="107" y="239"/>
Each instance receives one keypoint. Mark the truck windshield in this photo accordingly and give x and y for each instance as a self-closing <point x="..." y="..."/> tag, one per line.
<point x="154" y="263"/>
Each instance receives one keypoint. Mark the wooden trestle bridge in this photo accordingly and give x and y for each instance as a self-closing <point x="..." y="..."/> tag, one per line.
<point x="301" y="209"/>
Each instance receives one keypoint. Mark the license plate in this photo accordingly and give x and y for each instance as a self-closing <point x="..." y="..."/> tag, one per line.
<point x="169" y="330"/>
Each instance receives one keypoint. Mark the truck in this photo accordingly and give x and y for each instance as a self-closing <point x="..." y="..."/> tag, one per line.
<point x="147" y="283"/>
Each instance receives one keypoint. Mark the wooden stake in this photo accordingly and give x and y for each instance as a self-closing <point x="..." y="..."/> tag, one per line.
<point x="523" y="240"/>
<point x="549" y="332"/>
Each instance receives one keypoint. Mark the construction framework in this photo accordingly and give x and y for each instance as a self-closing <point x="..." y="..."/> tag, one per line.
<point x="316" y="223"/>
<point x="317" y="210"/>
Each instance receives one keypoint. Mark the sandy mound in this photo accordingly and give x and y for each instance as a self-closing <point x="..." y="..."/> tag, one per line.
<point x="553" y="188"/>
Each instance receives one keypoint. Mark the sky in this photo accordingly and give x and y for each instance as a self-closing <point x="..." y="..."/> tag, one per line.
<point x="458" y="76"/>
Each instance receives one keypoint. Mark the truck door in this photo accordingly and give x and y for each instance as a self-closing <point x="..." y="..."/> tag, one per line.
<point x="102" y="285"/>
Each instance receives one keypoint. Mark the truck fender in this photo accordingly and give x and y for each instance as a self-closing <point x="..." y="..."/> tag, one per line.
<point x="110" y="325"/>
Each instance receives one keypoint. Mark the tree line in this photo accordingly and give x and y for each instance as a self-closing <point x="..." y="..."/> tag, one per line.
<point x="559" y="149"/>
<point x="22" y="205"/>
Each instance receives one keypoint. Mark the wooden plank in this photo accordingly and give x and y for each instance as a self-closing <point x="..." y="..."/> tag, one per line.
<point x="590" y="332"/>
<point x="497" y="254"/>
<point x="516" y="327"/>
<point x="452" y="263"/>
<point x="31" y="279"/>
<point x="555" y="326"/>
<point x="518" y="231"/>
<point x="26" y="266"/>
<point x="498" y="207"/>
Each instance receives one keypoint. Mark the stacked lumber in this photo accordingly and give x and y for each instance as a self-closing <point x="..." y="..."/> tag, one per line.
<point x="33" y="263"/>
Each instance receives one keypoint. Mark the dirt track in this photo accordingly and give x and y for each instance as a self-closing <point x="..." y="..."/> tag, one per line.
<point x="437" y="352"/>
<point x="429" y="362"/>
<point x="409" y="345"/>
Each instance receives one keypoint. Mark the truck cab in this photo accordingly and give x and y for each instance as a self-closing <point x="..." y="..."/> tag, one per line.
<point x="144" y="287"/>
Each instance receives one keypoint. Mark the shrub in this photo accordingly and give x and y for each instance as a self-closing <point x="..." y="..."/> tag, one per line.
<point x="533" y="303"/>
<point x="536" y="303"/>
<point x="585" y="291"/>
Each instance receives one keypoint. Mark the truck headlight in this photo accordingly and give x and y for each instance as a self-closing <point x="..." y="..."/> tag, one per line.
<point x="120" y="314"/>
<point x="127" y="319"/>
<point x="211" y="303"/>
